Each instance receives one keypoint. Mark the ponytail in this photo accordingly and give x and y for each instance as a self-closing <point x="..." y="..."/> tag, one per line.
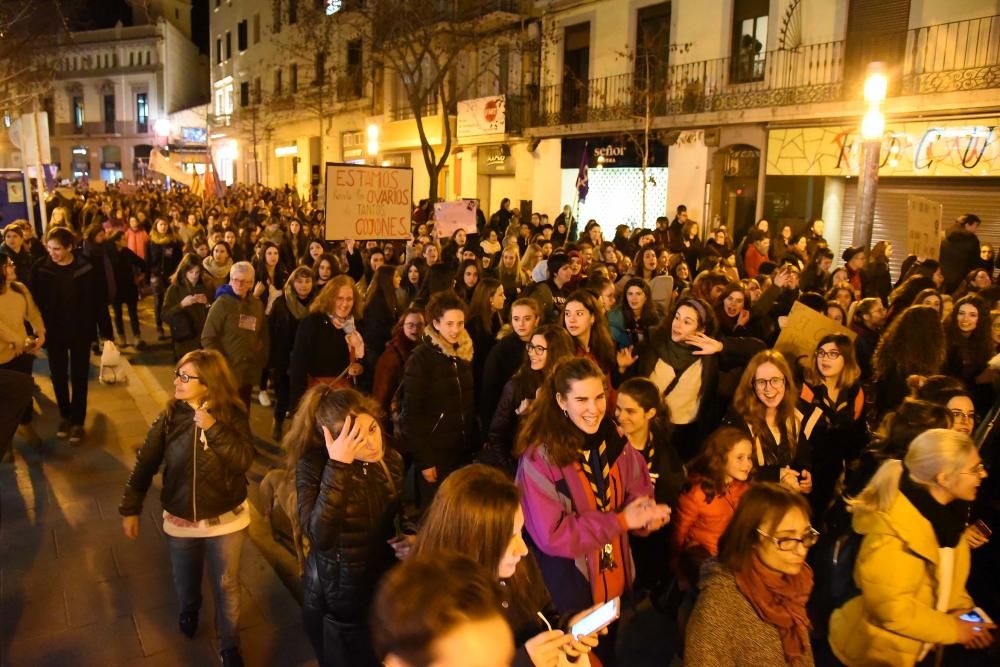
<point x="881" y="490"/>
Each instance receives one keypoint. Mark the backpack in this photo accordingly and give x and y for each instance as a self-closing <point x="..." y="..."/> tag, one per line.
<point x="832" y="560"/>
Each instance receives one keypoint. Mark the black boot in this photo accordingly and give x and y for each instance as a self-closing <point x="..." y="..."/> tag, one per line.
<point x="188" y="623"/>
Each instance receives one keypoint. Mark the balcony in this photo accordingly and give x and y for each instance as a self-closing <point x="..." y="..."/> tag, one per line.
<point x="402" y="110"/>
<point x="959" y="56"/>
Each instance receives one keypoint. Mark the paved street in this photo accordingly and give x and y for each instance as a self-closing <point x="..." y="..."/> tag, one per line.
<point x="74" y="590"/>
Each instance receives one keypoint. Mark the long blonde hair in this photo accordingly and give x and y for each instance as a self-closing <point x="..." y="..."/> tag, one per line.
<point x="934" y="452"/>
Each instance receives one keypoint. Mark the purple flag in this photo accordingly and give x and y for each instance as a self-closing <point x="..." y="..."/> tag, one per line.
<point x="582" y="184"/>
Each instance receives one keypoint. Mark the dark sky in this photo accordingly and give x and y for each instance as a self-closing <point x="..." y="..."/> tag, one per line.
<point x="93" y="14"/>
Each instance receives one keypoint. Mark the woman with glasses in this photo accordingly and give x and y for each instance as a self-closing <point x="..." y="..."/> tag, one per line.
<point x="202" y="443"/>
<point x="752" y="606"/>
<point x="765" y="406"/>
<point x="832" y="403"/>
<point x="913" y="562"/>
<point x="950" y="393"/>
<point x="546" y="347"/>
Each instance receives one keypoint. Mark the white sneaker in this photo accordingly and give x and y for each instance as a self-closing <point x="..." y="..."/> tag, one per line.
<point x="264" y="399"/>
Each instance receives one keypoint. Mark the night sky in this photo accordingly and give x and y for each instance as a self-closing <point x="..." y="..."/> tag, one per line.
<point x="93" y="14"/>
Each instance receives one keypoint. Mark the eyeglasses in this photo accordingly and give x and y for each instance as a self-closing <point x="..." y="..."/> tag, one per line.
<point x="762" y="383"/>
<point x="536" y="349"/>
<point x="185" y="378"/>
<point x="827" y="354"/>
<point x="789" y="543"/>
<point x="978" y="471"/>
<point x="961" y="415"/>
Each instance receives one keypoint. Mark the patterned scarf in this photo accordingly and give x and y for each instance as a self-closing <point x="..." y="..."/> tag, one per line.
<point x="597" y="468"/>
<point x="780" y="600"/>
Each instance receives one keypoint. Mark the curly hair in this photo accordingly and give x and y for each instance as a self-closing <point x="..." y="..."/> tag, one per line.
<point x="975" y="349"/>
<point x="914" y="344"/>
<point x="708" y="469"/>
<point x="323" y="303"/>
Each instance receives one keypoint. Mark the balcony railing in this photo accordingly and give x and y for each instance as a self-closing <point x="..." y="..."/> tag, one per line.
<point x="403" y="111"/>
<point x="964" y="55"/>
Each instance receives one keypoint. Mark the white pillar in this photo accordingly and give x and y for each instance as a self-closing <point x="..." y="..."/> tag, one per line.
<point x="834" y="189"/>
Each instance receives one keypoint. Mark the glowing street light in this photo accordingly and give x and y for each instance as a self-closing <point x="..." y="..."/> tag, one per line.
<point x="162" y="127"/>
<point x="872" y="129"/>
<point x="373" y="140"/>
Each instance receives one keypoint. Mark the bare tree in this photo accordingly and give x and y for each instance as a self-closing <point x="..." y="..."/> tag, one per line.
<point x="312" y="43"/>
<point x="649" y="94"/>
<point x="433" y="50"/>
<point x="27" y="30"/>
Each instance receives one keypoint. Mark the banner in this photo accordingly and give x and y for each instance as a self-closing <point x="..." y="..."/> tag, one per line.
<point x="450" y="216"/>
<point x="915" y="148"/>
<point x="163" y="165"/>
<point x="365" y="202"/>
<point x="481" y="116"/>
<point x="923" y="227"/>
<point x="804" y="329"/>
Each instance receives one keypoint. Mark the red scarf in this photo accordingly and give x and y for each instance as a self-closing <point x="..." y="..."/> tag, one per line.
<point x="780" y="600"/>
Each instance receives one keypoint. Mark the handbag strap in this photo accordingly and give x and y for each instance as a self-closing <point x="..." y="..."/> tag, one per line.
<point x="388" y="476"/>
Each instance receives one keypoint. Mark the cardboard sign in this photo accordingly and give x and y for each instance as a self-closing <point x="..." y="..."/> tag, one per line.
<point x="804" y="329"/>
<point x="450" y="216"/>
<point x="365" y="202"/>
<point x="923" y="227"/>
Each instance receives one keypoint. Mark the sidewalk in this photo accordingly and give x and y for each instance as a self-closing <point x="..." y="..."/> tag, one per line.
<point x="75" y="591"/>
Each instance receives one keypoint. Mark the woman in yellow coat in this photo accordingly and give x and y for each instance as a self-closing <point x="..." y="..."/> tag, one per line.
<point x="914" y="557"/>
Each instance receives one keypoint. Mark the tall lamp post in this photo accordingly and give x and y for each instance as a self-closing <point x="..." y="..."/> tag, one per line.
<point x="872" y="129"/>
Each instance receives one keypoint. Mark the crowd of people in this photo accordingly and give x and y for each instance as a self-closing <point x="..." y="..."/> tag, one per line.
<point x="537" y="420"/>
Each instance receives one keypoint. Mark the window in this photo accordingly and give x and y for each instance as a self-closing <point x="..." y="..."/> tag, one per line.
<point x="109" y="114"/>
<point x="749" y="48"/>
<point x="256" y="28"/>
<point x="276" y="16"/>
<point x="217" y="3"/>
<point x="131" y="58"/>
<point x="277" y="83"/>
<point x="293" y="11"/>
<point x="293" y="78"/>
<point x="141" y="113"/>
<point x="319" y="76"/>
<point x="241" y="35"/>
<point x="218" y="50"/>
<point x="78" y="114"/>
<point x="245" y="94"/>
<point x="229" y="45"/>
<point x="355" y="70"/>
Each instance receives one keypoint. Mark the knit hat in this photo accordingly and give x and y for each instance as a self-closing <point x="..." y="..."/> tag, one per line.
<point x="851" y="253"/>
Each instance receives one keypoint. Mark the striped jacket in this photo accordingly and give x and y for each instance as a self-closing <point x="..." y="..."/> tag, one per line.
<point x="567" y="530"/>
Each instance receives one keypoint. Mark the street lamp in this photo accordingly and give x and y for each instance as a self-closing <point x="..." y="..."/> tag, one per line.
<point x="373" y="141"/>
<point x="872" y="129"/>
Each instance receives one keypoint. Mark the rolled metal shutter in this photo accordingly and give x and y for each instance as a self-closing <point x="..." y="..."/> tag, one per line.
<point x="980" y="196"/>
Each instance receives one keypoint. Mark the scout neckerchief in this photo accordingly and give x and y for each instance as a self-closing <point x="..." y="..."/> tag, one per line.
<point x="597" y="469"/>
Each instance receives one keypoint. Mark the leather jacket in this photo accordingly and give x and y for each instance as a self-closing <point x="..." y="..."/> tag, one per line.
<point x="201" y="480"/>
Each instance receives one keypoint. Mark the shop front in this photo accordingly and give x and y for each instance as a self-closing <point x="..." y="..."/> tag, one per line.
<point x="111" y="164"/>
<point x="812" y="173"/>
<point x="615" y="180"/>
<point x="79" y="163"/>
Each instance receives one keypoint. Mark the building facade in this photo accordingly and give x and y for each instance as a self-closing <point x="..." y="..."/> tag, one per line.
<point x="738" y="109"/>
<point x="113" y="92"/>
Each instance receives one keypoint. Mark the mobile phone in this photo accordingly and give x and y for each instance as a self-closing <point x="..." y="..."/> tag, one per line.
<point x="981" y="526"/>
<point x="598" y="619"/>
<point x="976" y="615"/>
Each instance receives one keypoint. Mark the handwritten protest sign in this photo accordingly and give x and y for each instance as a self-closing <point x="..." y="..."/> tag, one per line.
<point x="450" y="216"/>
<point x="804" y="329"/>
<point x="365" y="202"/>
<point x="923" y="227"/>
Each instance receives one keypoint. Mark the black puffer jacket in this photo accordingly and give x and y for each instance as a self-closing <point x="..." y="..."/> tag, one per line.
<point x="438" y="414"/>
<point x="347" y="511"/>
<point x="200" y="480"/>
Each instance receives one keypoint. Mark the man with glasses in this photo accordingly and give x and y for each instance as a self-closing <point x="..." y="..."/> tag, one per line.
<point x="235" y="326"/>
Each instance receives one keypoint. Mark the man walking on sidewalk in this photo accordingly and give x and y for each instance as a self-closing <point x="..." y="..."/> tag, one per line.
<point x="70" y="298"/>
<point x="235" y="327"/>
